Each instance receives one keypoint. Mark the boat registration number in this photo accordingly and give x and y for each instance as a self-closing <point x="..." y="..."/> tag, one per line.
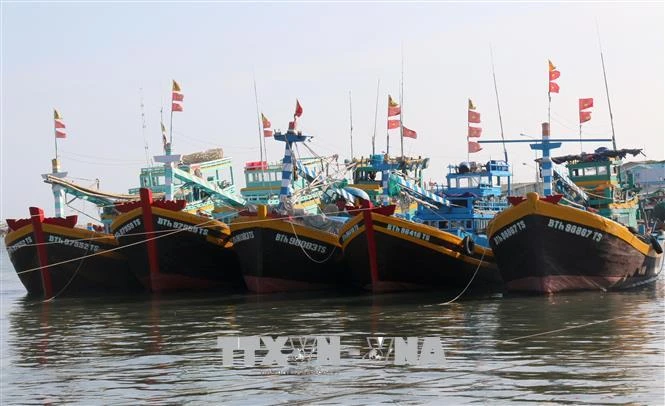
<point x="310" y="246"/>
<point x="575" y="229"/>
<point x="26" y="241"/>
<point x="509" y="231"/>
<point x="409" y="232"/>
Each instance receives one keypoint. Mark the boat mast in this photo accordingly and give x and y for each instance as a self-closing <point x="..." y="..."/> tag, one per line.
<point x="351" y="123"/>
<point x="607" y="90"/>
<point x="376" y="111"/>
<point x="258" y="119"/>
<point x="498" y="107"/>
<point x="143" y="127"/>
<point x="401" y="103"/>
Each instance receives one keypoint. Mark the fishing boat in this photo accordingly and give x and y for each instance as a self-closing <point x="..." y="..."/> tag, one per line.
<point x="372" y="175"/>
<point x="582" y="238"/>
<point x="54" y="257"/>
<point x="291" y="245"/>
<point x="435" y="248"/>
<point x="182" y="241"/>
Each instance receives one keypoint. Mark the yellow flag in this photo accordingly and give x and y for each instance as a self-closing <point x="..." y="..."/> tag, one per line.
<point x="176" y="86"/>
<point x="391" y="102"/>
<point x="56" y="114"/>
<point x="552" y="67"/>
<point x="471" y="105"/>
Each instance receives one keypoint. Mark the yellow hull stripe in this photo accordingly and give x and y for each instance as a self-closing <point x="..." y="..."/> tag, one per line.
<point x="565" y="213"/>
<point x="285" y="226"/>
<point x="423" y="229"/>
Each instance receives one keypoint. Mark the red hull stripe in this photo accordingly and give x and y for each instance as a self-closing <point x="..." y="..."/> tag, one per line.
<point x="151" y="244"/>
<point x="37" y="216"/>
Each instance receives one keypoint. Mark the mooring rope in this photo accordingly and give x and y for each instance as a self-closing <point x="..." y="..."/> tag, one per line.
<point x="468" y="284"/>
<point x="305" y="251"/>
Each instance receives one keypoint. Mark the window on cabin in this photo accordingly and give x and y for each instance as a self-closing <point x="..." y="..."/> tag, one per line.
<point x="443" y="225"/>
<point x="590" y="171"/>
<point x="575" y="172"/>
<point x="468" y="224"/>
<point x="602" y="170"/>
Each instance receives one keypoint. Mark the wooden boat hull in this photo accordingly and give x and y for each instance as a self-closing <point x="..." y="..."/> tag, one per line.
<point x="101" y="272"/>
<point x="544" y="247"/>
<point x="277" y="255"/>
<point x="411" y="256"/>
<point x="182" y="252"/>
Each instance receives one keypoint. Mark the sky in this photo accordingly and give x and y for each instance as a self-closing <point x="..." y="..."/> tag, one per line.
<point x="95" y="62"/>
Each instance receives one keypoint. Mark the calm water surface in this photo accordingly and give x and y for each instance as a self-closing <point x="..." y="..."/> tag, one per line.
<point x="581" y="348"/>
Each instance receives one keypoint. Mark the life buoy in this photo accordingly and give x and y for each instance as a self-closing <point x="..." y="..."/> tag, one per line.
<point x="469" y="245"/>
<point x="656" y="245"/>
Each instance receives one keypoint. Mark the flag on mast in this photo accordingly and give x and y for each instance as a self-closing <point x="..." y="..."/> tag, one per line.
<point x="176" y="97"/>
<point x="59" y="124"/>
<point x="471" y="105"/>
<point x="408" y="133"/>
<point x="553" y="75"/>
<point x="394" y="108"/>
<point x="473" y="117"/>
<point x="267" y="126"/>
<point x="586" y="103"/>
<point x="474" y="147"/>
<point x="298" y="111"/>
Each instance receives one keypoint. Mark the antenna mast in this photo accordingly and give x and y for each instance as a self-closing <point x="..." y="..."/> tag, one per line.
<point x="401" y="103"/>
<point x="258" y="118"/>
<point x="143" y="127"/>
<point x="498" y="105"/>
<point x="351" y="123"/>
<point x="376" y="111"/>
<point x="607" y="90"/>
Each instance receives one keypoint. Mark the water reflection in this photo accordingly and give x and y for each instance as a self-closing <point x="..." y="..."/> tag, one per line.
<point x="527" y="348"/>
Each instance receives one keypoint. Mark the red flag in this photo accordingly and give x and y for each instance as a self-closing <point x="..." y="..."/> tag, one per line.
<point x="394" y="111"/>
<point x="585" y="116"/>
<point x="298" y="112"/>
<point x="176" y="93"/>
<point x="554" y="74"/>
<point x="554" y="88"/>
<point x="175" y="106"/>
<point x="475" y="131"/>
<point x="586" y="103"/>
<point x="394" y="108"/>
<point x="393" y="124"/>
<point x="267" y="133"/>
<point x="474" y="147"/>
<point x="474" y="117"/>
<point x="59" y="125"/>
<point x="409" y="133"/>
